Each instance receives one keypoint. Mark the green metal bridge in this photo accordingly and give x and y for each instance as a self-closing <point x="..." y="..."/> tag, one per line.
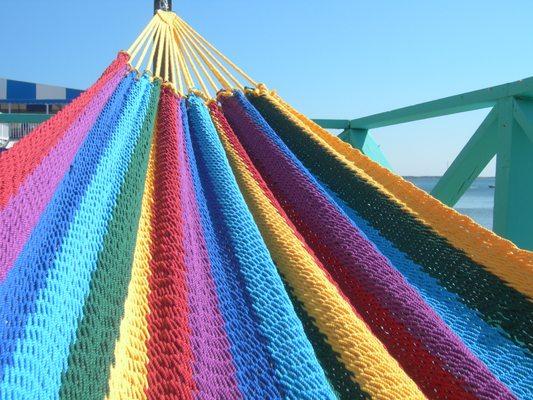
<point x="506" y="132"/>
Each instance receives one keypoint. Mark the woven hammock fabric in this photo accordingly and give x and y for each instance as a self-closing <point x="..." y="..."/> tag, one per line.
<point x="158" y="246"/>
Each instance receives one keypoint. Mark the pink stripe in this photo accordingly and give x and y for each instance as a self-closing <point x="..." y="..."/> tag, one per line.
<point x="22" y="212"/>
<point x="18" y="163"/>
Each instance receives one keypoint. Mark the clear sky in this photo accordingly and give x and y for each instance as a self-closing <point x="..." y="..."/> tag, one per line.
<point x="330" y="59"/>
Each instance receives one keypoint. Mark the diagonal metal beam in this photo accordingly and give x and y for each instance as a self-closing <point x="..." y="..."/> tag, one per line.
<point x="472" y="159"/>
<point x="364" y="141"/>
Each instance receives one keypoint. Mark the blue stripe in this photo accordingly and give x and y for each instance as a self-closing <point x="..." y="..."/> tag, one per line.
<point x="508" y="362"/>
<point x="296" y="366"/>
<point x="28" y="275"/>
<point x="255" y="377"/>
<point x="41" y="357"/>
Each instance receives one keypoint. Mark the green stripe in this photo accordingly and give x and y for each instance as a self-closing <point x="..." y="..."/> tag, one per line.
<point x="498" y="304"/>
<point x="92" y="354"/>
<point x="340" y="379"/>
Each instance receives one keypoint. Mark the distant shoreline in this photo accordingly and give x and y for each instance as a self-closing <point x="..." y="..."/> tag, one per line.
<point x="477" y="202"/>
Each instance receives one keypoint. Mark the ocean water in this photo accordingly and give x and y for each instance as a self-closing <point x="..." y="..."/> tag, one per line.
<point x="477" y="202"/>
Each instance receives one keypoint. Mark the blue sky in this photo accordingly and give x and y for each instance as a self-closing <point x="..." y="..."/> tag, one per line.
<point x="330" y="59"/>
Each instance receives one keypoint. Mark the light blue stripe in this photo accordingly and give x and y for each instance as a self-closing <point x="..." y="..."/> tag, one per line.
<point x="41" y="356"/>
<point x="255" y="375"/>
<point x="295" y="363"/>
<point x="23" y="283"/>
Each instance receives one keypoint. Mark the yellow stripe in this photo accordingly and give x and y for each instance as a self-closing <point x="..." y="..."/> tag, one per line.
<point x="128" y="378"/>
<point x="499" y="256"/>
<point x="374" y="369"/>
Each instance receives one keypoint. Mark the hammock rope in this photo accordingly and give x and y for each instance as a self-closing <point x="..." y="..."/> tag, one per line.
<point x="198" y="61"/>
<point x="171" y="234"/>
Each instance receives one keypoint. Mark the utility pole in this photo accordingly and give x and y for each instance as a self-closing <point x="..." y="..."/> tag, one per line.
<point x="165" y="5"/>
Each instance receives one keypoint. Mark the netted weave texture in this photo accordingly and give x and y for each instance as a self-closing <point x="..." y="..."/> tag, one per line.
<point x="374" y="288"/>
<point x="158" y="246"/>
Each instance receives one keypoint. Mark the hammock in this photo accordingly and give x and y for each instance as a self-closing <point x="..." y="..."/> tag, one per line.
<point x="161" y="238"/>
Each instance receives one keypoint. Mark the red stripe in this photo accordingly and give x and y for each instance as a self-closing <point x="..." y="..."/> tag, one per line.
<point x="425" y="369"/>
<point x="19" y="162"/>
<point x="170" y="374"/>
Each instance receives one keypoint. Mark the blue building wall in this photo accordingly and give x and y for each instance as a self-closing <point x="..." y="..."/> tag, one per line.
<point x="12" y="91"/>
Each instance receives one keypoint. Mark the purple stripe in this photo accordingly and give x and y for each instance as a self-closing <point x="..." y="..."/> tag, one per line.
<point x="23" y="210"/>
<point x="350" y="249"/>
<point x="213" y="368"/>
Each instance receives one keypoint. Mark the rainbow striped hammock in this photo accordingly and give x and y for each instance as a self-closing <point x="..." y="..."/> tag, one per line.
<point x="167" y="246"/>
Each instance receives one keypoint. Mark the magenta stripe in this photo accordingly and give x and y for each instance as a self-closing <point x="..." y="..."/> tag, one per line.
<point x="307" y="205"/>
<point x="214" y="371"/>
<point x="22" y="212"/>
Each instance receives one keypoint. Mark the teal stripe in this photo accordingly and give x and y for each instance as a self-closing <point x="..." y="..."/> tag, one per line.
<point x="92" y="354"/>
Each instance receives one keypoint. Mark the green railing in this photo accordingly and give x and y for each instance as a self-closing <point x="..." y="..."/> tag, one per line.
<point x="23" y="118"/>
<point x="506" y="132"/>
<point x="15" y="126"/>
